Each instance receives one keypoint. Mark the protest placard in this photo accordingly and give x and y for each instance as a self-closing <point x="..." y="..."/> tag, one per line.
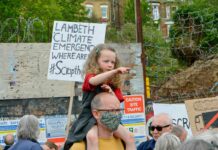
<point x="71" y="44"/>
<point x="178" y="113"/>
<point x="203" y="114"/>
<point x="134" y="116"/>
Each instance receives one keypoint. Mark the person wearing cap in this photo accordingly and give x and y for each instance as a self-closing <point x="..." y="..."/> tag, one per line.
<point x="161" y="123"/>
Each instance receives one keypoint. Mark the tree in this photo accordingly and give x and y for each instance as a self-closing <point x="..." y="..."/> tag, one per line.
<point x="9" y="9"/>
<point x="129" y="12"/>
<point x="194" y="34"/>
<point x="32" y="20"/>
<point x="73" y="10"/>
<point x="160" y="64"/>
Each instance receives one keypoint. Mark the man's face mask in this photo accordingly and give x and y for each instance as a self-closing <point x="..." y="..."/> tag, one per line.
<point x="111" y="120"/>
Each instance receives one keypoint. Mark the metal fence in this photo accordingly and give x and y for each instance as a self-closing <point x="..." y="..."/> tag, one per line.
<point x="21" y="30"/>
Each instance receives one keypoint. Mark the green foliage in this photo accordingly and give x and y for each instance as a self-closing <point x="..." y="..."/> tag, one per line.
<point x="9" y="9"/>
<point x="195" y="32"/>
<point x="72" y="10"/>
<point x="160" y="64"/>
<point x="129" y="12"/>
<point x="32" y="20"/>
<point x="127" y="34"/>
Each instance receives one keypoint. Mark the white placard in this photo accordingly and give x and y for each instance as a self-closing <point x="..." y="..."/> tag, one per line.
<point x="71" y="44"/>
<point x="178" y="113"/>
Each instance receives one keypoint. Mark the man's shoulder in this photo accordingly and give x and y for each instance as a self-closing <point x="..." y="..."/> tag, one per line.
<point x="104" y="144"/>
<point x="78" y="146"/>
<point x="111" y="143"/>
<point x="146" y="145"/>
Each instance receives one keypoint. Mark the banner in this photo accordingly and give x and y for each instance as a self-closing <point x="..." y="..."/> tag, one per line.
<point x="9" y="126"/>
<point x="71" y="44"/>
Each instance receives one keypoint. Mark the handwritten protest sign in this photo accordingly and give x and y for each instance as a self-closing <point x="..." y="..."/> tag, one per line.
<point x="71" y="44"/>
<point x="203" y="113"/>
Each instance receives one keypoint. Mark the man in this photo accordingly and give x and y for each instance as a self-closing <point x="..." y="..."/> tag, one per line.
<point x="161" y="123"/>
<point x="180" y="132"/>
<point x="9" y="141"/>
<point x="106" y="110"/>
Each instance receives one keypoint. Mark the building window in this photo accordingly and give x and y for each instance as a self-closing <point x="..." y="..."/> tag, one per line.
<point x="155" y="11"/>
<point x="168" y="12"/>
<point x="168" y="30"/>
<point x="104" y="9"/>
<point x="89" y="9"/>
<point x="168" y="25"/>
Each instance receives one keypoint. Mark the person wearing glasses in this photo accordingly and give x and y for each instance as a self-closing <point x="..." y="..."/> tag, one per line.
<point x="106" y="110"/>
<point x="161" y="123"/>
<point x="102" y="73"/>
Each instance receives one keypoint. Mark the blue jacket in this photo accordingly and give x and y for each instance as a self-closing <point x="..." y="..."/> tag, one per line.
<point x="26" y="145"/>
<point x="7" y="147"/>
<point x="147" y="145"/>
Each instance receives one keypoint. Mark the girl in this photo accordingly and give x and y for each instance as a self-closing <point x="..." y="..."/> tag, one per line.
<point x="102" y="73"/>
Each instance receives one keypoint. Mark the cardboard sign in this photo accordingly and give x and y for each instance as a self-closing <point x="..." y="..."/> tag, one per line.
<point x="203" y="113"/>
<point x="71" y="44"/>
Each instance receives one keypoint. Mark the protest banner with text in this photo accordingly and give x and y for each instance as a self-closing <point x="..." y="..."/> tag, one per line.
<point x="71" y="44"/>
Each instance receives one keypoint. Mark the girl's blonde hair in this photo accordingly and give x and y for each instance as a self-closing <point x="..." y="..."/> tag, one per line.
<point x="91" y="65"/>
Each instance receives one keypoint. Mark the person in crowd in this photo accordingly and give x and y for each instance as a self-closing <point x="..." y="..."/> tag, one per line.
<point x="27" y="134"/>
<point x="106" y="110"/>
<point x="9" y="141"/>
<point x="161" y="123"/>
<point x="205" y="140"/>
<point x="210" y="136"/>
<point x="167" y="141"/>
<point x="180" y="132"/>
<point x="102" y="73"/>
<point x="197" y="144"/>
<point x="49" y="146"/>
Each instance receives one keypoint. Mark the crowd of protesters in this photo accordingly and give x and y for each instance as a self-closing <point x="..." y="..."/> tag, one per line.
<point x="165" y="135"/>
<point x="99" y="127"/>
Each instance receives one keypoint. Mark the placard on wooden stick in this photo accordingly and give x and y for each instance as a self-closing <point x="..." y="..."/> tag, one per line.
<point x="71" y="44"/>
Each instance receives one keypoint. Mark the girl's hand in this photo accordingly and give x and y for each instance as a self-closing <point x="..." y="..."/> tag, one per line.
<point x="123" y="70"/>
<point x="107" y="88"/>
